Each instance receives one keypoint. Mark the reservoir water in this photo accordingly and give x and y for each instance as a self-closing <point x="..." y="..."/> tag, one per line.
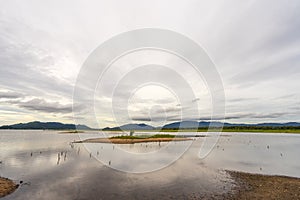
<point x="50" y="166"/>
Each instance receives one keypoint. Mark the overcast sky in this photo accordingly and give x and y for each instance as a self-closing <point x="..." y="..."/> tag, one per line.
<point x="255" y="46"/>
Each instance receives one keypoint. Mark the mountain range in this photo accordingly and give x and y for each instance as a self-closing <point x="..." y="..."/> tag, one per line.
<point x="204" y="124"/>
<point x="174" y="125"/>
<point x="196" y="125"/>
<point x="46" y="125"/>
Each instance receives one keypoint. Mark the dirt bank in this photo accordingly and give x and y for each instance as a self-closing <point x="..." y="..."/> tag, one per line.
<point x="255" y="186"/>
<point x="6" y="186"/>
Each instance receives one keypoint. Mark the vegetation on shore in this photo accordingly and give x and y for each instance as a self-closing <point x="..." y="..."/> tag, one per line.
<point x="229" y="129"/>
<point x="254" y="129"/>
<point x="240" y="129"/>
<point x="130" y="139"/>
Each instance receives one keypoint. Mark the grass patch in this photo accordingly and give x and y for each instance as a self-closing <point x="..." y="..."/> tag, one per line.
<point x="143" y="136"/>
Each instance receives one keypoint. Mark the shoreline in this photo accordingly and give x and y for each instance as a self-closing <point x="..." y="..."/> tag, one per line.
<point x="62" y="131"/>
<point x="7" y="186"/>
<point x="131" y="141"/>
<point x="257" y="186"/>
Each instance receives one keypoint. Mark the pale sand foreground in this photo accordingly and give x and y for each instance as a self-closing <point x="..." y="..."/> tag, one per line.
<point x="6" y="186"/>
<point x="131" y="141"/>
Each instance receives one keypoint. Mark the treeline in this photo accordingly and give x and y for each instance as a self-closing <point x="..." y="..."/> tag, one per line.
<point x="261" y="128"/>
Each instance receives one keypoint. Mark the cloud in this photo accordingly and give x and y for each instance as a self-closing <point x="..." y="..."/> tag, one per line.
<point x="41" y="105"/>
<point x="256" y="115"/>
<point x="10" y="95"/>
<point x="151" y="119"/>
<point x="254" y="44"/>
<point x="239" y="100"/>
<point x="195" y="100"/>
<point x="240" y="116"/>
<point x="44" y="106"/>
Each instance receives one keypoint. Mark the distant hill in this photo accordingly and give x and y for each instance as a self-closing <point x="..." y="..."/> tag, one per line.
<point x="174" y="125"/>
<point x="130" y="127"/>
<point x="45" y="125"/>
<point x="196" y="125"/>
<point x="183" y="124"/>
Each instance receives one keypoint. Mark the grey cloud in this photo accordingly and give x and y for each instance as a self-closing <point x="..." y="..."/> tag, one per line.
<point x="257" y="115"/>
<point x="259" y="44"/>
<point x="158" y="114"/>
<point x="72" y="118"/>
<point x="241" y="99"/>
<point x="44" y="106"/>
<point x="296" y="107"/>
<point x="195" y="100"/>
<point x="166" y="110"/>
<point x="25" y="65"/>
<point x="234" y="116"/>
<point x="147" y="119"/>
<point x="41" y="105"/>
<point x="269" y="116"/>
<point x="155" y="118"/>
<point x="285" y="96"/>
<point x="10" y="95"/>
<point x="273" y="72"/>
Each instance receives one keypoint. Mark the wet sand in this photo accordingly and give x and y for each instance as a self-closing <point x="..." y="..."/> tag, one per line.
<point x="6" y="186"/>
<point x="131" y="141"/>
<point x="255" y="186"/>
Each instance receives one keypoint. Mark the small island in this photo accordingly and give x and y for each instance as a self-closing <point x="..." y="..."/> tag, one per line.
<point x="130" y="139"/>
<point x="71" y="132"/>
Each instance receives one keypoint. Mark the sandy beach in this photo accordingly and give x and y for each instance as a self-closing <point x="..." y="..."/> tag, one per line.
<point x="6" y="186"/>
<point x="131" y="141"/>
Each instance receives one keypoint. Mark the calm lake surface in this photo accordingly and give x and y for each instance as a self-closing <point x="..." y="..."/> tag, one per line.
<point x="51" y="167"/>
